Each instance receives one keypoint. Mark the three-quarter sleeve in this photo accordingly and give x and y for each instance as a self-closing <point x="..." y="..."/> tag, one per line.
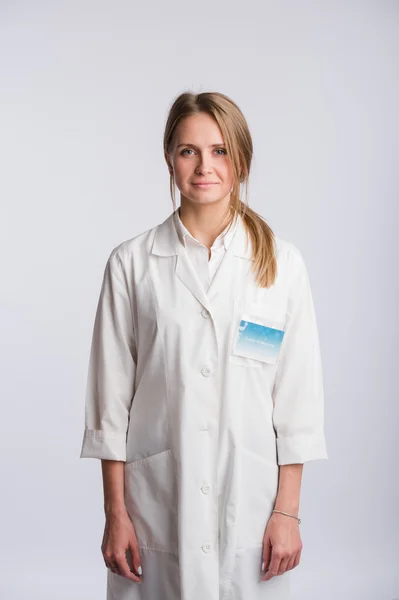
<point x="112" y="368"/>
<point x="298" y="399"/>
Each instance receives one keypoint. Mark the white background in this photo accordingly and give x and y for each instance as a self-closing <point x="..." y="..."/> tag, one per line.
<point x="85" y="89"/>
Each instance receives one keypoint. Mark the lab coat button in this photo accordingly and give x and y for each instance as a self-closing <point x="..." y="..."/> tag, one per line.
<point x="206" y="371"/>
<point x="205" y="313"/>
<point x="206" y="547"/>
<point x="205" y="488"/>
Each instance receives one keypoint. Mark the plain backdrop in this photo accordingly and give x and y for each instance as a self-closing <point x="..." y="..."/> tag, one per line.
<point x="85" y="89"/>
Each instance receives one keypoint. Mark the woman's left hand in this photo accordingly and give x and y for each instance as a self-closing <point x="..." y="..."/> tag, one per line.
<point x="282" y="546"/>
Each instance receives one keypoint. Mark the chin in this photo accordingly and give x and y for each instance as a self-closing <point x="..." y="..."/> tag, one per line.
<point x="204" y="196"/>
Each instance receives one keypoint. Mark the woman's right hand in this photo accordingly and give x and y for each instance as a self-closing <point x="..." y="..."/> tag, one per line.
<point x="119" y="538"/>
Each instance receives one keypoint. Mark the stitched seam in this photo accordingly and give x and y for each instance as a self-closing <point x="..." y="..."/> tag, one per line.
<point x="155" y="549"/>
<point x="142" y="462"/>
<point x="103" y="435"/>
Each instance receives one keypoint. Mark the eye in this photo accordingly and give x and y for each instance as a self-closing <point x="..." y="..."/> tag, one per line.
<point x="218" y="150"/>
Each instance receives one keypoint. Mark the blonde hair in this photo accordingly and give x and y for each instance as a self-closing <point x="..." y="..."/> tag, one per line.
<point x="238" y="141"/>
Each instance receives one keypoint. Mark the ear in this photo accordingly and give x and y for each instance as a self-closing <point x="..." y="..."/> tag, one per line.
<point x="170" y="168"/>
<point x="169" y="164"/>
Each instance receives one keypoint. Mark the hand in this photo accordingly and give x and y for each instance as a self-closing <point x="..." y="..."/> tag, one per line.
<point x="119" y="537"/>
<point x="282" y="545"/>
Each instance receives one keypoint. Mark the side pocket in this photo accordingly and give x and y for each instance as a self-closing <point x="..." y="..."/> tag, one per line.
<point x="258" y="490"/>
<point x="151" y="501"/>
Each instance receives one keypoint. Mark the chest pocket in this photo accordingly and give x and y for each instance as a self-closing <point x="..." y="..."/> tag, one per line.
<point x="269" y="314"/>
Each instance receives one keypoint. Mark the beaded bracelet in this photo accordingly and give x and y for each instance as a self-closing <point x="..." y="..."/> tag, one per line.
<point x="284" y="513"/>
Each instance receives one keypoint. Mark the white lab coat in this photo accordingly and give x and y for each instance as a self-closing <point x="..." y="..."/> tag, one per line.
<point x="202" y="431"/>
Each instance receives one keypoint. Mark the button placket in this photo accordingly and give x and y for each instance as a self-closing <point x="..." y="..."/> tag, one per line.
<point x="206" y="371"/>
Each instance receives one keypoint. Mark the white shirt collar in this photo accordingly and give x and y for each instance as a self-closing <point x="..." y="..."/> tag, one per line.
<point x="222" y="239"/>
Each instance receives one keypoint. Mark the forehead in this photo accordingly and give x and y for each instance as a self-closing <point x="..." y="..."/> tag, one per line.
<point x="201" y="129"/>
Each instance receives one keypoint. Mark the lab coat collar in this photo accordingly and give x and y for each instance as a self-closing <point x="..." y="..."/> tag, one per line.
<point x="167" y="242"/>
<point x="222" y="240"/>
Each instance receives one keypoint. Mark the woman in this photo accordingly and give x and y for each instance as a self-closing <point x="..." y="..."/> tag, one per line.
<point x="204" y="393"/>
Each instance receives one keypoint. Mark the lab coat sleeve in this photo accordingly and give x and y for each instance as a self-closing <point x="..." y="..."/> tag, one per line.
<point x="112" y="368"/>
<point x="298" y="399"/>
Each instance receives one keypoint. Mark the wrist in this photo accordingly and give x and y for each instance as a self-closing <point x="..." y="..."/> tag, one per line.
<point x="288" y="505"/>
<point x="286" y="509"/>
<point x="115" y="510"/>
<point x="285" y="514"/>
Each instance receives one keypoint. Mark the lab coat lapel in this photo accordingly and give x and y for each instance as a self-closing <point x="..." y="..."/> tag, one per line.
<point x="167" y="243"/>
<point x="186" y="273"/>
<point x="228" y="277"/>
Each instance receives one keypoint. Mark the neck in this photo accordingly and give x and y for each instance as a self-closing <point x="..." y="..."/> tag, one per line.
<point x="205" y="221"/>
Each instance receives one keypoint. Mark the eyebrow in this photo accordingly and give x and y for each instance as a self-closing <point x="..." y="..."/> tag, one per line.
<point x="193" y="146"/>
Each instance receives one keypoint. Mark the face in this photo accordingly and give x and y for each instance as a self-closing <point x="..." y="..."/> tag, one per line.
<point x="200" y="157"/>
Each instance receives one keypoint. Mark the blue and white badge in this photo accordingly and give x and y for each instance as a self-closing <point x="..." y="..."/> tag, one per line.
<point x="257" y="340"/>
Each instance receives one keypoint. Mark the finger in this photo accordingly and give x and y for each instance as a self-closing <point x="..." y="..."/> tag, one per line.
<point x="135" y="558"/>
<point x="283" y="565"/>
<point x="291" y="561"/>
<point x="277" y="555"/>
<point x="124" y="569"/>
<point x="110" y="563"/>
<point x="274" y="566"/>
<point x="113" y="566"/>
<point x="266" y="553"/>
<point x="297" y="559"/>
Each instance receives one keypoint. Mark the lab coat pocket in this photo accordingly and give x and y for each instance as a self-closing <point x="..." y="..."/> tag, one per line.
<point x="258" y="491"/>
<point x="268" y="314"/>
<point x="151" y="500"/>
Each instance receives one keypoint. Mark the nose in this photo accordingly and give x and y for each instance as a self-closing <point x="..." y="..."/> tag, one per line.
<point x="204" y="164"/>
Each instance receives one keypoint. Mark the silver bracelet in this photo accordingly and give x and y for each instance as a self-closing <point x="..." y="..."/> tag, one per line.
<point x="284" y="513"/>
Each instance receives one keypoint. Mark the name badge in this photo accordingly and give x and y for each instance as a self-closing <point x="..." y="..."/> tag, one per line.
<point x="258" y="340"/>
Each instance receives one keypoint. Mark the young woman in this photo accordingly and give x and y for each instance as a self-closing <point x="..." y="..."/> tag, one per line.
<point x="204" y="393"/>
